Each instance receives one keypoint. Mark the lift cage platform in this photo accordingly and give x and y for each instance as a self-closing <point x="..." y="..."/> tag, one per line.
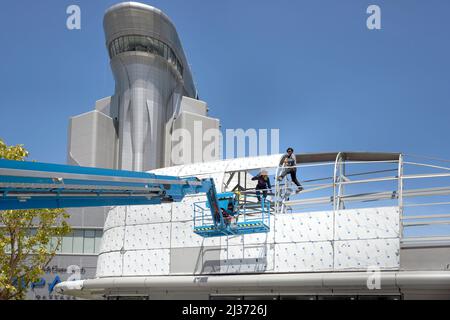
<point x="231" y="216"/>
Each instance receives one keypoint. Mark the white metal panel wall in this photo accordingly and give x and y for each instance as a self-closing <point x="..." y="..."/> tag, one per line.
<point x="303" y="242"/>
<point x="231" y="259"/>
<point x="371" y="223"/>
<point x="232" y="240"/>
<point x="184" y="237"/>
<point x="115" y="218"/>
<point x="198" y="169"/>
<point x="304" y="257"/>
<point x="149" y="214"/>
<point x="296" y="243"/>
<point x="169" y="171"/>
<point x="146" y="262"/>
<point x="258" y="258"/>
<point x="261" y="238"/>
<point x="148" y="236"/>
<point x="217" y="178"/>
<point x="246" y="259"/>
<point x="269" y="161"/>
<point x="252" y="239"/>
<point x="184" y="210"/>
<point x="362" y="254"/>
<point x="109" y="264"/>
<point x="304" y="227"/>
<point x="112" y="239"/>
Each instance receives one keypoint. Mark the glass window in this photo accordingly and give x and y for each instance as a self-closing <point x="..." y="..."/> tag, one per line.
<point x="116" y="46"/>
<point x="141" y="44"/>
<point x="89" y="241"/>
<point x="126" y="45"/>
<point x="120" y="46"/>
<point x="78" y="236"/>
<point x="180" y="69"/>
<point x="145" y="44"/>
<point x="98" y="240"/>
<point x="160" y="48"/>
<point x="52" y="244"/>
<point x="171" y="56"/>
<point x="67" y="243"/>
<point x="133" y="43"/>
<point x="166" y="54"/>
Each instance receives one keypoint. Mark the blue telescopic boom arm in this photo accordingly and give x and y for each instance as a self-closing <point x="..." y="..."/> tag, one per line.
<point x="33" y="185"/>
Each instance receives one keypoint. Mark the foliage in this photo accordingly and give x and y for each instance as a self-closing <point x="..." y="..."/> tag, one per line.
<point x="29" y="239"/>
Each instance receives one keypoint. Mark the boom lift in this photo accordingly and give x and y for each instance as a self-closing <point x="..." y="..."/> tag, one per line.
<point x="33" y="185"/>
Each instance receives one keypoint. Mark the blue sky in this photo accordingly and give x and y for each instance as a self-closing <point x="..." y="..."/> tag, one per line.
<point x="310" y="68"/>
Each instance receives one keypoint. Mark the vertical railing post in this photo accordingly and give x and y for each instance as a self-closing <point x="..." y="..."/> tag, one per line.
<point x="335" y="208"/>
<point x="245" y="207"/>
<point x="340" y="203"/>
<point x="277" y="190"/>
<point x="400" y="194"/>
<point x="336" y="181"/>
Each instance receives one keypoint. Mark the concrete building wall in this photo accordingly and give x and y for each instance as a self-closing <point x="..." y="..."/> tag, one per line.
<point x="194" y="137"/>
<point x="92" y="140"/>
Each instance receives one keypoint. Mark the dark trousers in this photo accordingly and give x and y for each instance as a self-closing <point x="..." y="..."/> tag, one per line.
<point x="258" y="193"/>
<point x="293" y="173"/>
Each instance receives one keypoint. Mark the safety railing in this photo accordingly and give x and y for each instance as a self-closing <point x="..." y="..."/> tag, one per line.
<point x="251" y="216"/>
<point x="420" y="190"/>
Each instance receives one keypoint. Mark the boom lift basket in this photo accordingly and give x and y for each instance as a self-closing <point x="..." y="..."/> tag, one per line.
<point x="231" y="215"/>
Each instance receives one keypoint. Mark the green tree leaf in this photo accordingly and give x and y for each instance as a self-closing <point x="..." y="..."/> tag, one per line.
<point x="26" y="245"/>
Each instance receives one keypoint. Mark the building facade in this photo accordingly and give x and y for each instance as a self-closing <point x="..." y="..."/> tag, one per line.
<point x="353" y="233"/>
<point x="154" y="96"/>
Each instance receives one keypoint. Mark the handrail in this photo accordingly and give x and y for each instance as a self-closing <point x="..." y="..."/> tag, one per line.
<point x="387" y="189"/>
<point x="432" y="216"/>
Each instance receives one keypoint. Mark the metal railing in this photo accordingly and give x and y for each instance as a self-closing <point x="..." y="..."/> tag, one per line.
<point x="421" y="191"/>
<point x="249" y="210"/>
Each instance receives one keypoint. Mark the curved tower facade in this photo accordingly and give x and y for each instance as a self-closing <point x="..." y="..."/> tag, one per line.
<point x="151" y="75"/>
<point x="154" y="95"/>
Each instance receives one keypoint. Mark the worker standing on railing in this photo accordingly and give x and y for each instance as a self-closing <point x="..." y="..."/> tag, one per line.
<point x="263" y="184"/>
<point x="289" y="165"/>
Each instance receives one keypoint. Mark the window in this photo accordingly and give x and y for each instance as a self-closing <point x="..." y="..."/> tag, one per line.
<point x="98" y="240"/>
<point x="80" y="241"/>
<point x="119" y="44"/>
<point x="145" y="44"/>
<point x="89" y="241"/>
<point x="78" y="236"/>
<point x="125" y="46"/>
<point x="67" y="243"/>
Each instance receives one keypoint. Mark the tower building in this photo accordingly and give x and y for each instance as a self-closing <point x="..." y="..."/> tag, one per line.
<point x="154" y="95"/>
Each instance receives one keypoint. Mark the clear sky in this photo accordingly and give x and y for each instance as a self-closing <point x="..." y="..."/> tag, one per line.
<point x="310" y="68"/>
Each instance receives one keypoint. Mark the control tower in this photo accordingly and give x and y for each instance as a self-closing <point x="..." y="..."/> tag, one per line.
<point x="154" y="95"/>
